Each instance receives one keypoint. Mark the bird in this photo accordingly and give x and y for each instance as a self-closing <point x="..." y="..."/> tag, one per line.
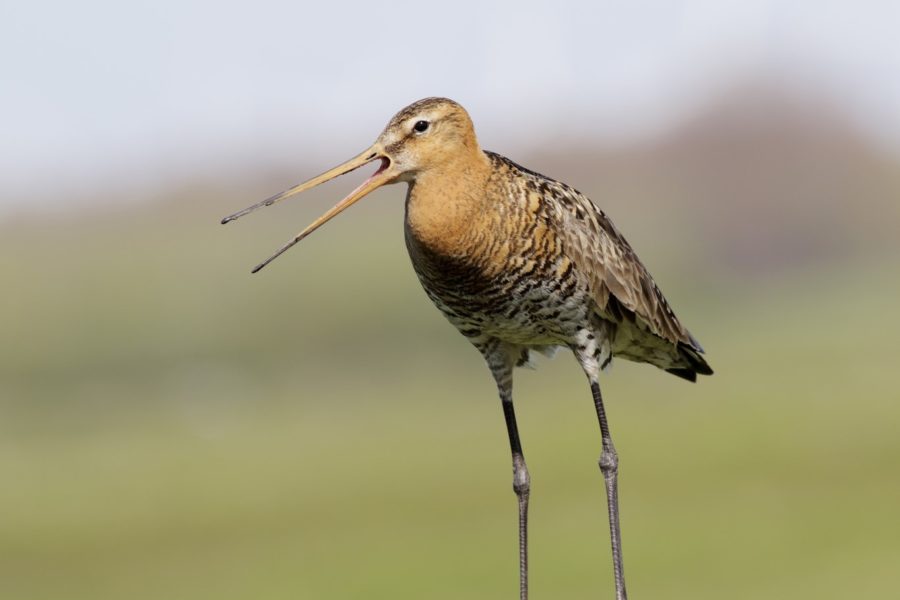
<point x="521" y="265"/>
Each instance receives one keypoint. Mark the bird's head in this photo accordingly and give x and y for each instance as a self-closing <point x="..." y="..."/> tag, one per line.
<point x="426" y="136"/>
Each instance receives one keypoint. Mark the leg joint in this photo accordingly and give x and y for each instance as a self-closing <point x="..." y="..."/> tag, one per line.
<point x="609" y="459"/>
<point x="521" y="478"/>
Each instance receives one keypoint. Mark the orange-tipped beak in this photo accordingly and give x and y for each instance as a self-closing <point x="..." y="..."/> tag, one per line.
<point x="380" y="177"/>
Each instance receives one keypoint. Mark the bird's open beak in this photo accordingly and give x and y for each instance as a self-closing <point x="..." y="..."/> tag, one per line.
<point x="383" y="175"/>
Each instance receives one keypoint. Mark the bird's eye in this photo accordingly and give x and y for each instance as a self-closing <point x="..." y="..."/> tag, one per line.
<point x="420" y="126"/>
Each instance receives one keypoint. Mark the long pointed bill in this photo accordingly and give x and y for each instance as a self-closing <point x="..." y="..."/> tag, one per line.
<point x="354" y="163"/>
<point x="378" y="178"/>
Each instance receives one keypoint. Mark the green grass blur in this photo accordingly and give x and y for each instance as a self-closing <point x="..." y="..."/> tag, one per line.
<point x="173" y="427"/>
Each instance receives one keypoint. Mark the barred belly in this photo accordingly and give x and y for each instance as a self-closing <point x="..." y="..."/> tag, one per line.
<point x="530" y="310"/>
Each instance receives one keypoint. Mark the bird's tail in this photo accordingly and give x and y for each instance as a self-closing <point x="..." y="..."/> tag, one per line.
<point x="695" y="364"/>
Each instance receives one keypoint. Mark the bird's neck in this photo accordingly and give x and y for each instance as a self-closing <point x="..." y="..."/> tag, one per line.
<point x="446" y="205"/>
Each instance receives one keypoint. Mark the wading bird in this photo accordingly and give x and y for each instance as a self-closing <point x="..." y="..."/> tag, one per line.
<point x="519" y="263"/>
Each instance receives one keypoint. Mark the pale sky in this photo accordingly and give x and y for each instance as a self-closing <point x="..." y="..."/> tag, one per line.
<point x="142" y="92"/>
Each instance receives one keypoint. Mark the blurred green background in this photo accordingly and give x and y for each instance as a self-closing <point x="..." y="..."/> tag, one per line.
<point x="174" y="427"/>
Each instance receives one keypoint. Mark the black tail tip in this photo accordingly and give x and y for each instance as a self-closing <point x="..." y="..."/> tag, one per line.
<point x="695" y="361"/>
<point x="688" y="374"/>
<point x="695" y="364"/>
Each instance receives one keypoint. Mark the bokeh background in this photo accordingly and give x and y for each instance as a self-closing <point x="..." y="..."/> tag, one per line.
<point x="173" y="427"/>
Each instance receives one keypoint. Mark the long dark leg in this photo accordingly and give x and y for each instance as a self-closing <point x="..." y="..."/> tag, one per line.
<point x="609" y="465"/>
<point x="522" y="487"/>
<point x="521" y="480"/>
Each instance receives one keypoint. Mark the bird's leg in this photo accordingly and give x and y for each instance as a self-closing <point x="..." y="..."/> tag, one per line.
<point x="522" y="488"/>
<point x="593" y="352"/>
<point x="521" y="479"/>
<point x="609" y="465"/>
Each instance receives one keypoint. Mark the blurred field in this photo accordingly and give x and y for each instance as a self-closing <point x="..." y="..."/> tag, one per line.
<point x="173" y="427"/>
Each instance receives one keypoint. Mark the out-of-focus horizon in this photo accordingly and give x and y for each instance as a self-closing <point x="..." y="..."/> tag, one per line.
<point x="174" y="427"/>
<point x="135" y="97"/>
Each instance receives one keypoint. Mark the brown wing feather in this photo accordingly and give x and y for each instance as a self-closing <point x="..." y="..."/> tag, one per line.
<point x="616" y="271"/>
<point x="620" y="284"/>
<point x="618" y="278"/>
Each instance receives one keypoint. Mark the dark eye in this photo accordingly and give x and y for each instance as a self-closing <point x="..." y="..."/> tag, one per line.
<point x="420" y="126"/>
